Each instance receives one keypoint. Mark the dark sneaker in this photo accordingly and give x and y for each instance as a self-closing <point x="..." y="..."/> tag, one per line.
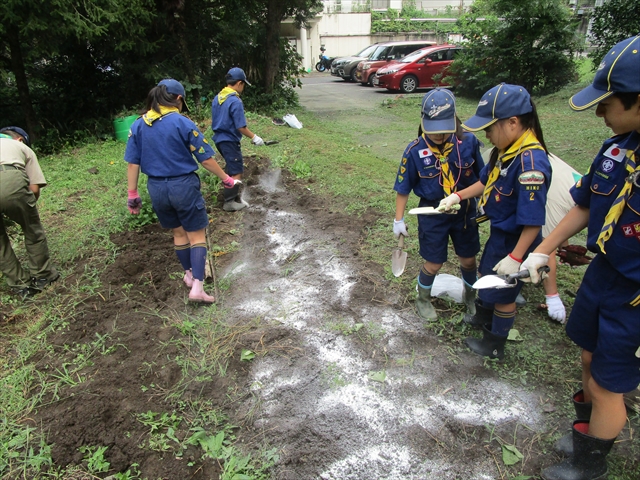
<point x="25" y="292"/>
<point x="41" y="283"/>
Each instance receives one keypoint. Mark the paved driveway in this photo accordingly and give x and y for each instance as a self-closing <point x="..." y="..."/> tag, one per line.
<point x="323" y="93"/>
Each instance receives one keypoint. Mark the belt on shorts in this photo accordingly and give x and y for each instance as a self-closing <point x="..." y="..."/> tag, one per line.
<point x="8" y="167"/>
<point x="177" y="177"/>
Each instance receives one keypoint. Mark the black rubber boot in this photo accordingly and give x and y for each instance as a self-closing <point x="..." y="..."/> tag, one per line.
<point x="564" y="445"/>
<point x="482" y="317"/>
<point x="230" y="194"/>
<point x="589" y="460"/>
<point x="425" y="309"/>
<point x="232" y="201"/>
<point x="469" y="298"/>
<point x="490" y="345"/>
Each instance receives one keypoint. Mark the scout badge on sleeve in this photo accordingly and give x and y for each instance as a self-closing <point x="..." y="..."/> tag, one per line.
<point x="504" y="281"/>
<point x="398" y="258"/>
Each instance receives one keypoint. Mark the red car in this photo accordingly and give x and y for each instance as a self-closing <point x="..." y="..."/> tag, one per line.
<point x="417" y="69"/>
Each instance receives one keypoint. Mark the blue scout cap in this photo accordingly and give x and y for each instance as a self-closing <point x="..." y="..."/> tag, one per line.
<point x="20" y="132"/>
<point x="502" y="101"/>
<point x="619" y="71"/>
<point x="174" y="87"/>
<point x="439" y="112"/>
<point x="235" y="74"/>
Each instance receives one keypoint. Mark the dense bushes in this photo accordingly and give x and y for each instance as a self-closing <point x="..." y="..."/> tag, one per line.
<point x="526" y="43"/>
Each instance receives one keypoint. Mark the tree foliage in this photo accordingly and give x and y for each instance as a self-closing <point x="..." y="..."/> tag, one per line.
<point x="611" y="23"/>
<point x="525" y="43"/>
<point x="67" y="67"/>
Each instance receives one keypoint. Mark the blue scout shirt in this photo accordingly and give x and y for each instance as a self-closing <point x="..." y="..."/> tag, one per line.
<point x="227" y="118"/>
<point x="420" y="169"/>
<point x="167" y="147"/>
<point x="597" y="190"/>
<point x="519" y="195"/>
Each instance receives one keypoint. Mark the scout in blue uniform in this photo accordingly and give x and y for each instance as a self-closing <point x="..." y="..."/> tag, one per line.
<point x="163" y="144"/>
<point x="444" y="159"/>
<point x="605" y="319"/>
<point x="229" y="125"/>
<point x="513" y="193"/>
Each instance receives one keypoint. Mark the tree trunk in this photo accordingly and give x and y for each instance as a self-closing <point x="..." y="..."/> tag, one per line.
<point x="177" y="25"/>
<point x="272" y="43"/>
<point x="17" y="66"/>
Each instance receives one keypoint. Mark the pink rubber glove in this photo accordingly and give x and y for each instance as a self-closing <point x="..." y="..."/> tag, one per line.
<point x="134" y="202"/>
<point x="230" y="182"/>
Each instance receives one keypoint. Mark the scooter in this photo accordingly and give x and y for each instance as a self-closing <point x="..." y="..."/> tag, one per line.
<point x="325" y="62"/>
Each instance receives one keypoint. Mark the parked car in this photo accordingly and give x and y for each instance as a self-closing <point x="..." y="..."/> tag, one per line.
<point x="345" y="67"/>
<point x="417" y="69"/>
<point x="385" y="53"/>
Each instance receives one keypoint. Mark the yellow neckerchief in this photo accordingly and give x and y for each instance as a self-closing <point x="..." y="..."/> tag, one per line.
<point x="151" y="116"/>
<point x="613" y="215"/>
<point x="224" y="94"/>
<point x="448" y="182"/>
<point x="527" y="141"/>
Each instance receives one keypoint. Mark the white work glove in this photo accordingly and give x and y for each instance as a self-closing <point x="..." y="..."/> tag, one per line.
<point x="507" y="266"/>
<point x="448" y="202"/>
<point x="555" y="308"/>
<point x="257" y="141"/>
<point x="533" y="263"/>
<point x="399" y="228"/>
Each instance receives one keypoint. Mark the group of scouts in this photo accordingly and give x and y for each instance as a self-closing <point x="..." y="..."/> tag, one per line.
<point x="444" y="168"/>
<point x="163" y="144"/>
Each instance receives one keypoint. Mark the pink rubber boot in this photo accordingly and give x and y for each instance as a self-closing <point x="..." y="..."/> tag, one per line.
<point x="188" y="278"/>
<point x="198" y="295"/>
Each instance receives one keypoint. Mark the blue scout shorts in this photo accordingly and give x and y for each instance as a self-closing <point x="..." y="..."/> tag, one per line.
<point x="499" y="245"/>
<point x="177" y="202"/>
<point x="232" y="155"/>
<point x="602" y="322"/>
<point x="434" y="232"/>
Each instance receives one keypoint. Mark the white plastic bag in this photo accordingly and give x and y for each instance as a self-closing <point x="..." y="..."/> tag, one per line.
<point x="446" y="285"/>
<point x="292" y="121"/>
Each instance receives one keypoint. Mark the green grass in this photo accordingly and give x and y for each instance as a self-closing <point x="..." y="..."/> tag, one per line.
<point x="351" y="157"/>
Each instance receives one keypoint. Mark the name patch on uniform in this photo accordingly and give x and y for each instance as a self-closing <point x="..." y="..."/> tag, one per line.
<point x="632" y="230"/>
<point x="532" y="187"/>
<point x="533" y="177"/>
<point x="425" y="152"/>
<point x="615" y="152"/>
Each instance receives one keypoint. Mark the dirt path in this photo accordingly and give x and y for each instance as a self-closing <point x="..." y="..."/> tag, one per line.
<point x="322" y="403"/>
<point x="347" y="383"/>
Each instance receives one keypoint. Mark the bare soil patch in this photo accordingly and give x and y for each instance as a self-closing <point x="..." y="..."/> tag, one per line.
<point x="347" y="382"/>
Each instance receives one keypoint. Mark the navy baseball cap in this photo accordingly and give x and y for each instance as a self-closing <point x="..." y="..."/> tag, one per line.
<point x="20" y="132"/>
<point x="439" y="112"/>
<point x="235" y="74"/>
<point x="502" y="101"/>
<point x="174" y="87"/>
<point x="619" y="71"/>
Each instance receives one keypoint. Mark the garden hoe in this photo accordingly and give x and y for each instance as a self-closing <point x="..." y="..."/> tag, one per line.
<point x="504" y="281"/>
<point x="398" y="258"/>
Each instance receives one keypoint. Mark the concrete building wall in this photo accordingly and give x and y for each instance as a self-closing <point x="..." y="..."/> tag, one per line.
<point x="429" y="6"/>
